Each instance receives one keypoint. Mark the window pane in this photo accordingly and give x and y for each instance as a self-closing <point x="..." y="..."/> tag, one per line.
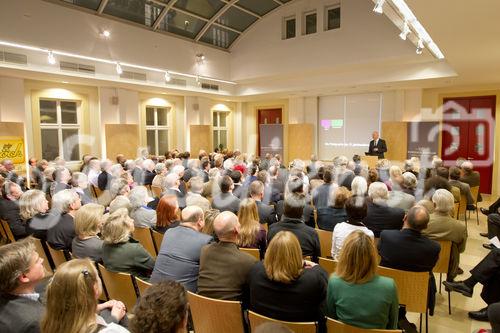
<point x="222" y="119"/>
<point x="151" y="142"/>
<point x="260" y="7"/>
<point x="162" y="141"/>
<point x="290" y="28"/>
<point x="205" y="8"/>
<point x="215" y="123"/>
<point x="236" y="19"/>
<point x="219" y="37"/>
<point x="223" y="139"/>
<point x="310" y="23"/>
<point x="71" y="146"/>
<point x="91" y="4"/>
<point x="68" y="113"/>
<point x="48" y="112"/>
<point x="181" y="24"/>
<point x="216" y="139"/>
<point x="50" y="144"/>
<point x="162" y="116"/>
<point x="333" y="18"/>
<point x="150" y="116"/>
<point x="139" y="11"/>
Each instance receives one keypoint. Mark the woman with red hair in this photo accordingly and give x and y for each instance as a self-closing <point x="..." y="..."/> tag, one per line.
<point x="167" y="213"/>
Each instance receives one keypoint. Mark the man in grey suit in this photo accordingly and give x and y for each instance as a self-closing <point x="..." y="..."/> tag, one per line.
<point x="464" y="188"/>
<point x="226" y="201"/>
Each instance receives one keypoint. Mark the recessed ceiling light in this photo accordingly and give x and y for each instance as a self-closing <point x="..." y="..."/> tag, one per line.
<point x="379" y="7"/>
<point x="106" y="33"/>
<point x="51" y="59"/>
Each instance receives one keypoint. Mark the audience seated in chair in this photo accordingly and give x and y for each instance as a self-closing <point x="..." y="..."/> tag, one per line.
<point x="226" y="201"/>
<point x="10" y="210"/>
<point x="267" y="214"/>
<point x="252" y="234"/>
<point x="88" y="222"/>
<point x="194" y="197"/>
<point x="143" y="216"/>
<point x="80" y="184"/>
<point x="167" y="213"/>
<point x="34" y="212"/>
<point x="66" y="203"/>
<point x="329" y="217"/>
<point x="321" y="196"/>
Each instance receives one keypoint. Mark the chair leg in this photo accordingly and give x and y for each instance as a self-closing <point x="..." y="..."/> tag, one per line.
<point x="440" y="281"/>
<point x="449" y="302"/>
<point x="477" y="215"/>
<point x="427" y="321"/>
<point x="420" y="327"/>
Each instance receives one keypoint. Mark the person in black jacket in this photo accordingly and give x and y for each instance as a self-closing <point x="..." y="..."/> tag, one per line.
<point x="9" y="209"/>
<point x="60" y="236"/>
<point x="21" y="269"/>
<point x="377" y="146"/>
<point x="380" y="215"/>
<point x="267" y="213"/>
<point x="104" y="178"/>
<point x="329" y="217"/>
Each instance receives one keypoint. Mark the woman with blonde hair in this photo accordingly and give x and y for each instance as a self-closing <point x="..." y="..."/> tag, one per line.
<point x="72" y="301"/>
<point x="88" y="222"/>
<point x="252" y="234"/>
<point x="33" y="209"/>
<point x="356" y="294"/>
<point x="120" y="252"/>
<point x="286" y="287"/>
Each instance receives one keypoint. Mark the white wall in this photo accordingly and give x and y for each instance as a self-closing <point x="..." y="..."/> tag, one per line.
<point x="12" y="100"/>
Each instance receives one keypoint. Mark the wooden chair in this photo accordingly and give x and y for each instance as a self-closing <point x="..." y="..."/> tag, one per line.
<point x="442" y="266"/>
<point x="156" y="191"/>
<point x="336" y="326"/>
<point x="157" y="239"/>
<point x="412" y="290"/>
<point x="8" y="232"/>
<point x="256" y="319"/>
<point x="142" y="286"/>
<point x="213" y="315"/>
<point x="150" y="191"/>
<point x="58" y="256"/>
<point x="253" y="252"/>
<point x="329" y="265"/>
<point x="41" y="252"/>
<point x="456" y="210"/>
<point x="475" y="193"/>
<point x="143" y="235"/>
<point x="3" y="234"/>
<point x="119" y="286"/>
<point x="462" y="209"/>
<point x="265" y="226"/>
<point x="325" y="242"/>
<point x="96" y="191"/>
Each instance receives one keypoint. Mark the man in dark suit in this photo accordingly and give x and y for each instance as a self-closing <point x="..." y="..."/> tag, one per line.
<point x="9" y="209"/>
<point x="66" y="203"/>
<point x="21" y="269"/>
<point x="226" y="201"/>
<point x="267" y="214"/>
<point x="380" y="216"/>
<point x="408" y="250"/>
<point x="377" y="146"/>
<point x="172" y="182"/>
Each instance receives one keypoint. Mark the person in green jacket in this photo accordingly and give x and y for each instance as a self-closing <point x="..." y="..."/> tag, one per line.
<point x="356" y="294"/>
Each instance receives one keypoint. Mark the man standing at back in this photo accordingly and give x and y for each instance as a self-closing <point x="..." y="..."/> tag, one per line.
<point x="377" y="146"/>
<point x="223" y="267"/>
<point x="179" y="255"/>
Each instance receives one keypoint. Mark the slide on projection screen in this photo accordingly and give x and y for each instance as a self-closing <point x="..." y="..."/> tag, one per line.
<point x="346" y="124"/>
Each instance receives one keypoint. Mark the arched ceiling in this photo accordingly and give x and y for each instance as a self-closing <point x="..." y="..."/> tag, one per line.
<point x="217" y="23"/>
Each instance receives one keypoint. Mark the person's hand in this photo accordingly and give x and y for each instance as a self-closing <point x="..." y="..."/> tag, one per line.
<point x="375" y="149"/>
<point x="309" y="264"/>
<point x="118" y="310"/>
<point x="106" y="305"/>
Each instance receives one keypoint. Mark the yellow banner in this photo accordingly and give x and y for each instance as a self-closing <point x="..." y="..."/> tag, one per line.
<point x="12" y="148"/>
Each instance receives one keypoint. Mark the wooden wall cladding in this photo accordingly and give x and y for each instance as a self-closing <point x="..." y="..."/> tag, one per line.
<point x="200" y="139"/>
<point x="300" y="141"/>
<point x="395" y="135"/>
<point x="121" y="139"/>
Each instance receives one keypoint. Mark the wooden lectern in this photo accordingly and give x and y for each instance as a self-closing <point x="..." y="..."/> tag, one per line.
<point x="370" y="161"/>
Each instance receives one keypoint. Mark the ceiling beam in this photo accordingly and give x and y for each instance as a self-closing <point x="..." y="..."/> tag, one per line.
<point x="278" y="2"/>
<point x="247" y="11"/>
<point x="163" y="14"/>
<point x="214" y="18"/>
<point x="101" y="7"/>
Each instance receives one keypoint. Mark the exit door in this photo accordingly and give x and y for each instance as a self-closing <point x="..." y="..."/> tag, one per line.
<point x="270" y="132"/>
<point x="468" y="132"/>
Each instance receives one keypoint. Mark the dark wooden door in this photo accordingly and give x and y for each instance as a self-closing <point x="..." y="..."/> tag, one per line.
<point x="468" y="132"/>
<point x="266" y="116"/>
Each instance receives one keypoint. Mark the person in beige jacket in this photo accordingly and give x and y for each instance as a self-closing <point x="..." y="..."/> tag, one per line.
<point x="444" y="227"/>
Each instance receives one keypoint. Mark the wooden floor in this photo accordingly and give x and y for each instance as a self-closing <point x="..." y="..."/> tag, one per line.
<point x="459" y="321"/>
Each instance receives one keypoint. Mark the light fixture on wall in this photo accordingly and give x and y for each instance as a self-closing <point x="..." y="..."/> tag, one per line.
<point x="200" y="58"/>
<point x="119" y="69"/>
<point x="406" y="31"/>
<point x="420" y="46"/>
<point x="379" y="7"/>
<point x="168" y="78"/>
<point x="198" y="82"/>
<point x="51" y="59"/>
<point x="106" y="34"/>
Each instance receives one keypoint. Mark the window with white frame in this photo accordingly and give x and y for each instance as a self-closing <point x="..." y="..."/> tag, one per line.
<point x="220" y="128"/>
<point x="60" y="129"/>
<point x="332" y="17"/>
<point x="309" y="23"/>
<point x="289" y="27"/>
<point x="157" y="127"/>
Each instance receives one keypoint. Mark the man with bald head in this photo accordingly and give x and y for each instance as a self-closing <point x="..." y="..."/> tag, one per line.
<point x="223" y="267"/>
<point x="377" y="146"/>
<point x="179" y="255"/>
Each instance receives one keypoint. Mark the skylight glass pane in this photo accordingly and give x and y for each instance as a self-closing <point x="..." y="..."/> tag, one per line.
<point x="219" y="37"/>
<point x="260" y="7"/>
<point x="90" y="4"/>
<point x="181" y="24"/>
<point x="138" y="11"/>
<point x="203" y="8"/>
<point x="236" y="19"/>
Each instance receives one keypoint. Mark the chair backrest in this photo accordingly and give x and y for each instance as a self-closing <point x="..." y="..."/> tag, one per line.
<point x="213" y="315"/>
<point x="256" y="319"/>
<point x="143" y="235"/>
<point x="456" y="209"/>
<point x="119" y="286"/>
<point x="142" y="285"/>
<point x="8" y="232"/>
<point x="3" y="233"/>
<point x="157" y="238"/>
<point x="474" y="190"/>
<point x="58" y="257"/>
<point x="41" y="252"/>
<point x="253" y="252"/>
<point x="444" y="257"/>
<point x="325" y="242"/>
<point x="95" y="191"/>
<point x="265" y="226"/>
<point x="412" y="287"/>
<point x="329" y="265"/>
<point x="156" y="191"/>
<point x="463" y="206"/>
<point x="336" y="326"/>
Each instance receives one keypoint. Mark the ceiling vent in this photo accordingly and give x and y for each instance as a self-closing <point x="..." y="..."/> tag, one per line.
<point x="178" y="82"/>
<point x="210" y="86"/>
<point x="15" y="58"/>
<point x="133" y="76"/>
<point x="74" y="67"/>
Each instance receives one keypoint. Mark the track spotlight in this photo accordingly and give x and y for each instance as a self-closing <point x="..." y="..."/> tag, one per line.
<point x="200" y="58"/>
<point x="379" y="7"/>
<point x="168" y="78"/>
<point x="406" y="31"/>
<point x="420" y="46"/>
<point x="119" y="69"/>
<point x="198" y="80"/>
<point x="51" y="59"/>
